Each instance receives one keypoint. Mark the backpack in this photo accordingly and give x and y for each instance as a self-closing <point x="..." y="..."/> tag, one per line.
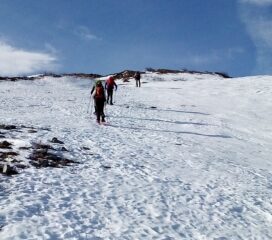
<point x="137" y="76"/>
<point x="110" y="82"/>
<point x="99" y="92"/>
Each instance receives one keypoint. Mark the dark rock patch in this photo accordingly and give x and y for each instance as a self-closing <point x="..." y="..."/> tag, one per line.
<point x="7" y="127"/>
<point x="32" y="131"/>
<point x="4" y="155"/>
<point x="24" y="148"/>
<point x="86" y="148"/>
<point x="40" y="155"/>
<point x="5" y="144"/>
<point x="125" y="75"/>
<point x="55" y="140"/>
<point x="21" y="166"/>
<point x="165" y="71"/>
<point x="43" y="156"/>
<point x="83" y="75"/>
<point x="41" y="146"/>
<point x="106" y="167"/>
<point x="8" y="170"/>
<point x="64" y="149"/>
<point x="45" y="129"/>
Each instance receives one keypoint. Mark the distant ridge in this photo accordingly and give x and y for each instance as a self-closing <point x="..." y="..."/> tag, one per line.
<point x="119" y="75"/>
<point x="40" y="76"/>
<point x="130" y="73"/>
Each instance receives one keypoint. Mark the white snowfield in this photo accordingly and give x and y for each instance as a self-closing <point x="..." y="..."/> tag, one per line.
<point x="186" y="156"/>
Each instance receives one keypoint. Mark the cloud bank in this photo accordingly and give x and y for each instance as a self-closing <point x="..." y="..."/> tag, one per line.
<point x="257" y="17"/>
<point x="14" y="61"/>
<point x="257" y="2"/>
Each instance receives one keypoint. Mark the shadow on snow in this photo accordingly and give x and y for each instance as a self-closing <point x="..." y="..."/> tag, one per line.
<point x="164" y="110"/>
<point x="165" y="121"/>
<point x="170" y="131"/>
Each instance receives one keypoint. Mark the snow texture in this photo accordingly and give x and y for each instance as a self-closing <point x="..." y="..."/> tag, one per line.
<point x="186" y="156"/>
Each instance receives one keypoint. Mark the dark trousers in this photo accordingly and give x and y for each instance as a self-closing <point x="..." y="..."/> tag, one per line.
<point x="138" y="83"/>
<point x="109" y="95"/>
<point x="99" y="110"/>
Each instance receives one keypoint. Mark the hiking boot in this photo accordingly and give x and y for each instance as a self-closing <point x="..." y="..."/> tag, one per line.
<point x="111" y="103"/>
<point x="103" y="119"/>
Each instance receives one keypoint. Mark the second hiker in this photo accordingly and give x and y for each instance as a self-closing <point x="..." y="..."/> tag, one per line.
<point x="109" y="85"/>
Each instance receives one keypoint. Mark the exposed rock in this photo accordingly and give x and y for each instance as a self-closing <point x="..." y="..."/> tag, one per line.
<point x="86" y="148"/>
<point x="5" y="144"/>
<point x="83" y="75"/>
<point x="24" y="148"/>
<point x="42" y="156"/>
<point x="8" y="170"/>
<point x="55" y="140"/>
<point x="32" y="131"/>
<point x="41" y="146"/>
<point x="21" y="166"/>
<point x="7" y="127"/>
<point x="125" y="75"/>
<point x="106" y="167"/>
<point x="4" y="155"/>
<point x="165" y="71"/>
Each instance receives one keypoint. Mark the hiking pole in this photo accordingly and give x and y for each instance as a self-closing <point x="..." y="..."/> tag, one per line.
<point x="92" y="103"/>
<point x="114" y="95"/>
<point x="89" y="105"/>
<point x="104" y="110"/>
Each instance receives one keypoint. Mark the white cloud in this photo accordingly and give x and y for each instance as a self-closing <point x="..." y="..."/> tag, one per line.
<point x="14" y="61"/>
<point x="85" y="33"/>
<point x="214" y="56"/>
<point x="257" y="2"/>
<point x="261" y="29"/>
<point x="258" y="23"/>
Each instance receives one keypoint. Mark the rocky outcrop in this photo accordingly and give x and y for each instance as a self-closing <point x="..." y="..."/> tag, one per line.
<point x="82" y="75"/>
<point x="165" y="71"/>
<point x="37" y="154"/>
<point x="46" y="156"/>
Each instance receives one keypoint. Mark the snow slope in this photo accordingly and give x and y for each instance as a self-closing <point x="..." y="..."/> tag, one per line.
<point x="187" y="156"/>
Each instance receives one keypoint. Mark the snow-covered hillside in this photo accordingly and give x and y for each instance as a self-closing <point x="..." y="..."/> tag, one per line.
<point x="186" y="156"/>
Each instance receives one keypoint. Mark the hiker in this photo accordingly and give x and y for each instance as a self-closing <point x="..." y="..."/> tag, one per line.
<point x="137" y="77"/>
<point x="98" y="93"/>
<point x="109" y="85"/>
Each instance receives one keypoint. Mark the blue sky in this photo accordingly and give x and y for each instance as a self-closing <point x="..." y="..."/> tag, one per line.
<point x="107" y="36"/>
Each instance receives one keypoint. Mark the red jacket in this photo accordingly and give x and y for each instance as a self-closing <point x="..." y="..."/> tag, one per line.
<point x="110" y="84"/>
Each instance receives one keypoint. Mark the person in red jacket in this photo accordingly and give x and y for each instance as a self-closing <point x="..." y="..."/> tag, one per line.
<point x="109" y="85"/>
